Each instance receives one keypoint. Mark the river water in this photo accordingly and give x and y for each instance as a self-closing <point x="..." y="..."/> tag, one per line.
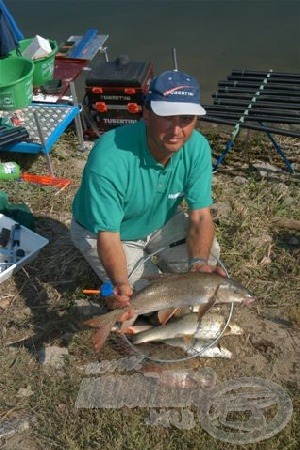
<point x="211" y="37"/>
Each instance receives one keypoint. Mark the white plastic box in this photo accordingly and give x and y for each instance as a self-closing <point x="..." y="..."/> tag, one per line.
<point x="39" y="47"/>
<point x="30" y="242"/>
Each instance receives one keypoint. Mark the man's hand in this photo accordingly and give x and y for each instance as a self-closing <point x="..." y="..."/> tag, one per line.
<point x="121" y="299"/>
<point x="204" y="267"/>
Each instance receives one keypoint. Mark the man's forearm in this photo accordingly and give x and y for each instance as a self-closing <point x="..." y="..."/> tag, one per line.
<point x="200" y="236"/>
<point x="112" y="257"/>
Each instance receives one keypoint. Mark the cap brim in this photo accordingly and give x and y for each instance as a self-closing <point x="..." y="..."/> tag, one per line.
<point x="177" y="109"/>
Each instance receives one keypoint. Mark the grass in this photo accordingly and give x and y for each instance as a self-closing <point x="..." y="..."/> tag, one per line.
<point x="39" y="302"/>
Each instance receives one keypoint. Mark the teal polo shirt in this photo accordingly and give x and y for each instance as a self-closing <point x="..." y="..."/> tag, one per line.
<point x="124" y="189"/>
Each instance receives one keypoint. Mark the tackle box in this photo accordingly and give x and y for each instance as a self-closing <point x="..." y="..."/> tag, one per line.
<point x="115" y="92"/>
<point x="28" y="242"/>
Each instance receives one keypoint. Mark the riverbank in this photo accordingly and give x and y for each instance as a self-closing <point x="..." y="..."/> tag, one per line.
<point x="42" y="306"/>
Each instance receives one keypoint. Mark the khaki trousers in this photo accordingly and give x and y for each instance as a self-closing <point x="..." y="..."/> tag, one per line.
<point x="148" y="256"/>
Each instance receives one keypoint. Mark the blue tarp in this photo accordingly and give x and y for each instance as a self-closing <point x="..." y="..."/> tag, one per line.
<point x="10" y="34"/>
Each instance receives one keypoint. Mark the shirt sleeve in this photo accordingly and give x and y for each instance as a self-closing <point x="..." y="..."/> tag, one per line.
<point x="100" y="203"/>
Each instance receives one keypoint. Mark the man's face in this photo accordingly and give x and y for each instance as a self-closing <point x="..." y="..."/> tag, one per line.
<point x="166" y="135"/>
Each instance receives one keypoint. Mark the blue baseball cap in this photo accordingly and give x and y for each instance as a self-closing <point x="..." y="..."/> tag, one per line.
<point x="175" y="93"/>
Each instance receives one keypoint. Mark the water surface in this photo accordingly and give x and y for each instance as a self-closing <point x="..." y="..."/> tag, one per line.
<point x="211" y="37"/>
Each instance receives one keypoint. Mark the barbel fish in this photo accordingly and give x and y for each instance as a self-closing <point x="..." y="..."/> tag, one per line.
<point x="188" y="326"/>
<point x="173" y="291"/>
<point x="201" y="348"/>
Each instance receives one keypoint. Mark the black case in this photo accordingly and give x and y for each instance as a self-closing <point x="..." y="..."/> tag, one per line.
<point x="115" y="92"/>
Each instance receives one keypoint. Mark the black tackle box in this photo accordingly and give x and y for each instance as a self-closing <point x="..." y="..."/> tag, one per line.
<point x="115" y="92"/>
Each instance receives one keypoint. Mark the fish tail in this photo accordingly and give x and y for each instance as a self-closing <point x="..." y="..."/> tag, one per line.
<point x="100" y="336"/>
<point x="104" y="324"/>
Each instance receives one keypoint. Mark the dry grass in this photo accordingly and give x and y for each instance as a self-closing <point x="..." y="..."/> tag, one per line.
<point x="41" y="297"/>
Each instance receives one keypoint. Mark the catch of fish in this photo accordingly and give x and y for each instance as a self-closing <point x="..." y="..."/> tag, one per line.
<point x="187" y="326"/>
<point x="173" y="296"/>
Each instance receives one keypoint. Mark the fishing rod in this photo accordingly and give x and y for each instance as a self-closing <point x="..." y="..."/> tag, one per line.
<point x="262" y="97"/>
<point x="254" y="73"/>
<point x="221" y="121"/>
<point x="255" y="109"/>
<point x="294" y="80"/>
<point x="269" y="91"/>
<point x="249" y="101"/>
<point x="257" y="102"/>
<point x="250" y="84"/>
<point x="256" y="117"/>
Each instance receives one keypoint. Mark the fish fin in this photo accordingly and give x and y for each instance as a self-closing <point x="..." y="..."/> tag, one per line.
<point x="165" y="315"/>
<point x="99" y="321"/>
<point x="181" y="312"/>
<point x="188" y="338"/>
<point x="159" y="276"/>
<point x="128" y="330"/>
<point x="100" y="336"/>
<point x="135" y="329"/>
<point x="207" y="306"/>
<point x="124" y="326"/>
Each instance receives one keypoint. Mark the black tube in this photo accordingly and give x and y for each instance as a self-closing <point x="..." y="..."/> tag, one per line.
<point x="258" y="103"/>
<point x="262" y="73"/>
<point x="254" y="110"/>
<point x="222" y="121"/>
<point x="239" y="90"/>
<point x="251" y="84"/>
<point x="260" y="79"/>
<point x="3" y="127"/>
<point x="258" y="118"/>
<point x="261" y="97"/>
<point x="13" y="135"/>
